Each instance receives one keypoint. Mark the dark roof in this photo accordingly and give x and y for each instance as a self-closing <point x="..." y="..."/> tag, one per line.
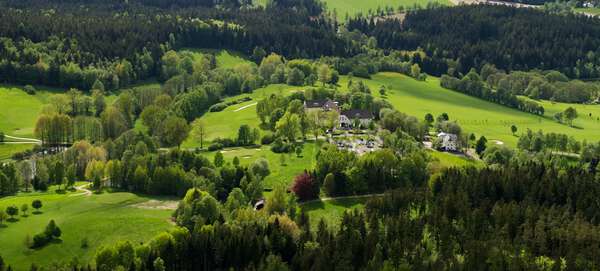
<point x="316" y="103"/>
<point x="357" y="114"/>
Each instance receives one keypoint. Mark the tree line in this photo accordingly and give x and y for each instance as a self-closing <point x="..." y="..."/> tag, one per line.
<point x="67" y="44"/>
<point x="473" y="85"/>
<point x="470" y="36"/>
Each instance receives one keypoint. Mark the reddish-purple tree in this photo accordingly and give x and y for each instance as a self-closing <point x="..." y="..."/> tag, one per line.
<point x="305" y="186"/>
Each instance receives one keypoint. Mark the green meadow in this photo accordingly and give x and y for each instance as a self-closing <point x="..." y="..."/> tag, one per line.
<point x="102" y="219"/>
<point x="331" y="210"/>
<point x="353" y="7"/>
<point x="475" y="115"/>
<point x="447" y="160"/>
<point x="225" y="58"/>
<point x="592" y="11"/>
<point x="19" y="110"/>
<point x="280" y="174"/>
<point x="227" y="122"/>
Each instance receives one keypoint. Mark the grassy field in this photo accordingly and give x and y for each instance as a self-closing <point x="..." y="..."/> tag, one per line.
<point x="475" y="115"/>
<point x="226" y="123"/>
<point x="592" y="11"/>
<point x="280" y="174"/>
<point x="7" y="150"/>
<point x="332" y="210"/>
<point x="225" y="58"/>
<point x="353" y="7"/>
<point x="19" y="110"/>
<point x="103" y="219"/>
<point x="445" y="160"/>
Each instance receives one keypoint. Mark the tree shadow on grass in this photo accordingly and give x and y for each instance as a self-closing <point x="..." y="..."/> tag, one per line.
<point x="3" y="226"/>
<point x="12" y="220"/>
<point x="37" y="212"/>
<point x="56" y="241"/>
<point x="577" y="127"/>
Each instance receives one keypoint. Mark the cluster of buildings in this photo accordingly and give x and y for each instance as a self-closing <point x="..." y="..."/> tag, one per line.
<point x="347" y="118"/>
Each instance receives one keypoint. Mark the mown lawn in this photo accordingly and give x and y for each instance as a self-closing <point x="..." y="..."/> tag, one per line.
<point x="225" y="124"/>
<point x="331" y="210"/>
<point x="7" y="150"/>
<point x="103" y="219"/>
<point x="280" y="174"/>
<point x="353" y="7"/>
<point x="446" y="160"/>
<point x="475" y="115"/>
<point x="19" y="110"/>
<point x="225" y="58"/>
<point x="593" y="11"/>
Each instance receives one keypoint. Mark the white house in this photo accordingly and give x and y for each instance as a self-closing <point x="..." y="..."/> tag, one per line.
<point x="348" y="117"/>
<point x="448" y="142"/>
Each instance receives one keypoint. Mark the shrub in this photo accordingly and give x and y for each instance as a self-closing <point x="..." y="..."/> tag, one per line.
<point x="215" y="146"/>
<point x="217" y="107"/>
<point x="51" y="232"/>
<point x="267" y="139"/>
<point x="280" y="146"/>
<point x="29" y="89"/>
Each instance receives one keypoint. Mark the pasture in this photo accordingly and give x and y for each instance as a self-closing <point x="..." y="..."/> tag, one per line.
<point x="19" y="110"/>
<point x="227" y="122"/>
<point x="102" y="219"/>
<point x="225" y="58"/>
<point x="477" y="116"/>
<point x="445" y="160"/>
<point x="280" y="174"/>
<point x="354" y="7"/>
<point x="331" y="210"/>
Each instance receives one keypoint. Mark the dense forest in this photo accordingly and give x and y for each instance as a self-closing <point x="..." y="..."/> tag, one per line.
<point x="68" y="45"/>
<point x="510" y="38"/>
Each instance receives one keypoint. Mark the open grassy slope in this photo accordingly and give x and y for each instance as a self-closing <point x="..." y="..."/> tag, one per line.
<point x="280" y="174"/>
<point x="103" y="219"/>
<point x="225" y="58"/>
<point x="353" y="7"/>
<point x="475" y="115"/>
<point x="19" y="110"/>
<point x="331" y="210"/>
<point x="227" y="122"/>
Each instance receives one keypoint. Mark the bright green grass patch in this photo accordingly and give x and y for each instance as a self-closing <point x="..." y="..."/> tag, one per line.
<point x="280" y="174"/>
<point x="103" y="219"/>
<point x="225" y="58"/>
<point x="447" y="160"/>
<point x="475" y="115"/>
<point x="332" y="210"/>
<point x="353" y="7"/>
<point x="19" y="110"/>
<point x="7" y="150"/>
<point x="593" y="11"/>
<point x="225" y="124"/>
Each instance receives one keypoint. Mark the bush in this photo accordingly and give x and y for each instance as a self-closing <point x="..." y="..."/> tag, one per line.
<point x="226" y="142"/>
<point x="267" y="139"/>
<point x="280" y="146"/>
<point x="215" y="146"/>
<point x="41" y="239"/>
<point x="218" y="107"/>
<point x="29" y="89"/>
